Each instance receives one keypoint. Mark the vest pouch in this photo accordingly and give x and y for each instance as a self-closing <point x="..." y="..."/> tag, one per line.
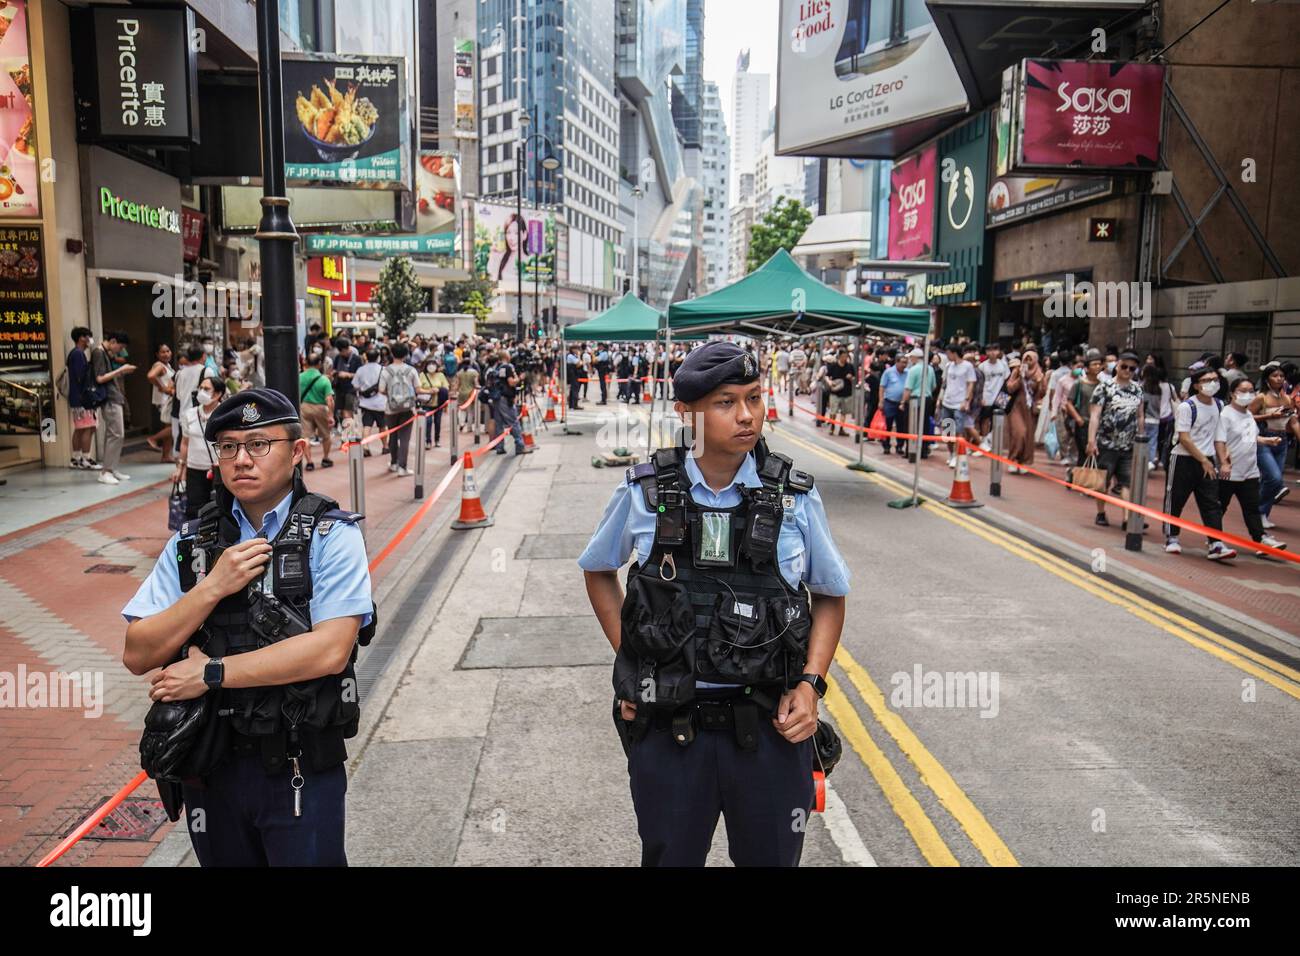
<point x="657" y="617"/>
<point x="792" y="621"/>
<point x="741" y="643"/>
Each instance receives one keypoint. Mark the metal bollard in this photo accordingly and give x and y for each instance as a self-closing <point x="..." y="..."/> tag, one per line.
<point x="790" y="376"/>
<point x="454" y="408"/>
<point x="357" y="478"/>
<point x="995" y="466"/>
<point x="1137" y="494"/>
<point x="477" y="427"/>
<point x="418" y="426"/>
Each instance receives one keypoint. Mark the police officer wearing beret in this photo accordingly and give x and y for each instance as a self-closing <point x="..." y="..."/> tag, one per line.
<point x="734" y="608"/>
<point x="250" y="621"/>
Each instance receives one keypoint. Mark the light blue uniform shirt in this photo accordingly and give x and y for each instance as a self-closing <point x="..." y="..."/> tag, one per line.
<point x="893" y="382"/>
<point x="340" y="573"/>
<point x="805" y="549"/>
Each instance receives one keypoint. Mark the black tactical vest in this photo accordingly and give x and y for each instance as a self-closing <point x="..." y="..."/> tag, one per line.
<point x="314" y="716"/>
<point x="710" y="604"/>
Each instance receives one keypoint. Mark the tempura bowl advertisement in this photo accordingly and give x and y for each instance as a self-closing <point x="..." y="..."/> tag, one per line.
<point x="345" y="120"/>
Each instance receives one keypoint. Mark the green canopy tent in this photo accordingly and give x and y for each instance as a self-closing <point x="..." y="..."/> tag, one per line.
<point x="627" y="320"/>
<point x="782" y="298"/>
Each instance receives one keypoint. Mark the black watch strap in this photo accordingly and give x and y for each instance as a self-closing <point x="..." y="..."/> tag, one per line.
<point x="214" y="672"/>
<point x="816" y="680"/>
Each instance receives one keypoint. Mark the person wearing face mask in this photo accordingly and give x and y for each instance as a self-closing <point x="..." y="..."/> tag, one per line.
<point x="432" y="391"/>
<point x="1117" y="410"/>
<point x="1238" y="443"/>
<point x="1275" y="415"/>
<point x="1192" y="471"/>
<point x="195" y="464"/>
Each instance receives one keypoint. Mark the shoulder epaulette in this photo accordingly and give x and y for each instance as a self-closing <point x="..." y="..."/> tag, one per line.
<point x="643" y="470"/>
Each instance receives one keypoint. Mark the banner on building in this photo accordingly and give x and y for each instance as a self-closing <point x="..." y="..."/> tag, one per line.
<point x="504" y="243"/>
<point x="847" y="68"/>
<point x="911" y="205"/>
<point x="465" y="102"/>
<point x="437" y="181"/>
<point x="346" y="120"/>
<point x="20" y="194"/>
<point x="24" y="331"/>
<point x="1087" y="114"/>
<point x="1017" y="198"/>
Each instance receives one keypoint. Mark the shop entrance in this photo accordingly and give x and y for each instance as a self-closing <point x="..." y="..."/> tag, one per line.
<point x="1247" y="332"/>
<point x="127" y="305"/>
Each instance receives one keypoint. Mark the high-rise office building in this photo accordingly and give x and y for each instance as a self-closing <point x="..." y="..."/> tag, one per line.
<point x="750" y="112"/>
<point x="715" y="170"/>
<point x="554" y="61"/>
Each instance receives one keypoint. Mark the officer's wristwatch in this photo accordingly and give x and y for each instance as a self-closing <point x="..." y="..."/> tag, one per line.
<point x="818" y="683"/>
<point x="214" y="672"/>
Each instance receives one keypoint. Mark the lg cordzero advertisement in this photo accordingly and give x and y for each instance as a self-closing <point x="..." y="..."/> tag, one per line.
<point x="346" y="120"/>
<point x="851" y="70"/>
<point x="1088" y="114"/>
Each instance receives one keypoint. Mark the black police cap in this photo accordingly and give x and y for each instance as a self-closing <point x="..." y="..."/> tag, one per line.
<point x="251" y="408"/>
<point x="711" y="365"/>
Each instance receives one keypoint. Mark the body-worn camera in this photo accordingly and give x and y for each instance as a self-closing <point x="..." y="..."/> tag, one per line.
<point x="273" y="620"/>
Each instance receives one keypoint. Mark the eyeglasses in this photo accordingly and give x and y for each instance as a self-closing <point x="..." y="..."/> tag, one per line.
<point x="257" y="447"/>
<point x="1128" y="368"/>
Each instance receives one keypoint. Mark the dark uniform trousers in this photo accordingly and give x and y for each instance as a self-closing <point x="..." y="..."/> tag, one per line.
<point x="247" y="816"/>
<point x="764" y="795"/>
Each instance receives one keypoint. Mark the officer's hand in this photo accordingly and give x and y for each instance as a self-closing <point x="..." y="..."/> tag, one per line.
<point x="627" y="709"/>
<point x="796" y="714"/>
<point x="238" y="566"/>
<point x="182" y="680"/>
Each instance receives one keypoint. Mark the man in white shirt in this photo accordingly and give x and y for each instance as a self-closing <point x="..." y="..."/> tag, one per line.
<point x="958" y="389"/>
<point x="996" y="372"/>
<point x="1192" y="470"/>
<point x="370" y="400"/>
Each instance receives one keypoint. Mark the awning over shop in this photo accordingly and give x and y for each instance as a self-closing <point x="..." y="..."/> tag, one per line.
<point x="781" y="298"/>
<point x="835" y="241"/>
<point x="984" y="37"/>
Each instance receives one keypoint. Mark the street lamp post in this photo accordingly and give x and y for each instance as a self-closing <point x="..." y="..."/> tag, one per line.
<point x="276" y="235"/>
<point x="550" y="164"/>
<point x="636" y="242"/>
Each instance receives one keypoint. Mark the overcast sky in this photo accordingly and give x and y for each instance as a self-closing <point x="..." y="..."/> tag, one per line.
<point x="729" y="27"/>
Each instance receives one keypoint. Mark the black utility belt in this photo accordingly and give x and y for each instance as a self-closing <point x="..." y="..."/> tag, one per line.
<point x="737" y="713"/>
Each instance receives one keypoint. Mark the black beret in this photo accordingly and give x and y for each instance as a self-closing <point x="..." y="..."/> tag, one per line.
<point x="710" y="365"/>
<point x="251" y="408"/>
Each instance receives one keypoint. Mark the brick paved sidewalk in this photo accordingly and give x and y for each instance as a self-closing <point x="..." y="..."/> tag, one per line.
<point x="65" y="582"/>
<point x="1266" y="590"/>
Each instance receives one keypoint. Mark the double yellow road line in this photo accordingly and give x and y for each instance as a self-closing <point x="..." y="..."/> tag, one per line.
<point x="932" y="773"/>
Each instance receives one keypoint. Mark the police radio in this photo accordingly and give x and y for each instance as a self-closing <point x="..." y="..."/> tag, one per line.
<point x="764" y="524"/>
<point x="670" y="518"/>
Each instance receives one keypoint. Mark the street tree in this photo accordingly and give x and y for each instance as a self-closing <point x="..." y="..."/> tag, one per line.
<point x="782" y="228"/>
<point x="398" y="295"/>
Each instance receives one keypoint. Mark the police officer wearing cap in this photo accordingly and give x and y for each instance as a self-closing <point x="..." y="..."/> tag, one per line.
<point x="734" y="608"/>
<point x="250" y="622"/>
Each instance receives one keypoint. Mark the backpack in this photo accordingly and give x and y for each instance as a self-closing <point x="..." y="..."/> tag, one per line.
<point x="449" y="363"/>
<point x="401" y="393"/>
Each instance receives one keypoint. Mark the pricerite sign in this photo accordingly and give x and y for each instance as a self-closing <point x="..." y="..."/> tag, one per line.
<point x="1089" y="114"/>
<point x="852" y="67"/>
<point x="147" y="75"/>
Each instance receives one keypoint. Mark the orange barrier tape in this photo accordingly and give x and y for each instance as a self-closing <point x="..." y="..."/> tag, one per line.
<point x="414" y="417"/>
<point x="93" y="820"/>
<point x="1183" y="523"/>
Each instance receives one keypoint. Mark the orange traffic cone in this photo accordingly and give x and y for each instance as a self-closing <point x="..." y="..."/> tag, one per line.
<point x="772" y="416"/>
<point x="471" y="508"/>
<point x="645" y="390"/>
<point x="550" y="405"/>
<point x="526" y="423"/>
<point x="961" y="496"/>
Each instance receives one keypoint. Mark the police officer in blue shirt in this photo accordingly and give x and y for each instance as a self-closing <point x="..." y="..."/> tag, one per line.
<point x="250" y="621"/>
<point x="733" y="611"/>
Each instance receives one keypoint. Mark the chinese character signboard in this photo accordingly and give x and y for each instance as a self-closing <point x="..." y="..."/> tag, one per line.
<point x="346" y="120"/>
<point x="147" y="75"/>
<point x="911" y="206"/>
<point x="1088" y="114"/>
<point x="24" y="331"/>
<point x="192" y="222"/>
